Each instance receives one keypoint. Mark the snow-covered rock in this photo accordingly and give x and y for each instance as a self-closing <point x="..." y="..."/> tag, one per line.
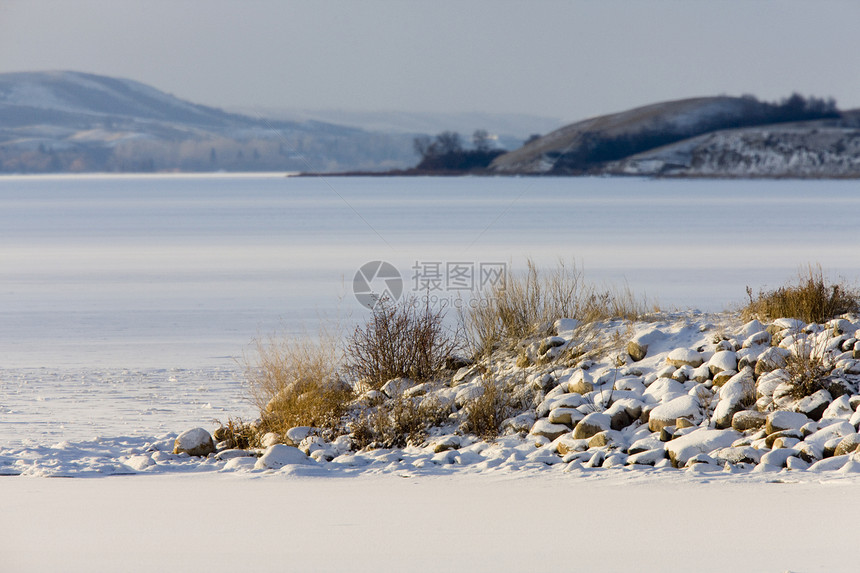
<point x="700" y="441"/>
<point x="280" y="455"/>
<point x="592" y="424"/>
<point x="684" y="357"/>
<point x="194" y="442"/>
<point x="784" y="420"/>
<point x="666" y="414"/>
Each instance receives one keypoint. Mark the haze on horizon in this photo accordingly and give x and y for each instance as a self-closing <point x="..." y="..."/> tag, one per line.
<point x="568" y="60"/>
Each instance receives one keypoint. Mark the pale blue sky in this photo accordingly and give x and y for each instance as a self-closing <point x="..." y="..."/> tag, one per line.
<point x="567" y="59"/>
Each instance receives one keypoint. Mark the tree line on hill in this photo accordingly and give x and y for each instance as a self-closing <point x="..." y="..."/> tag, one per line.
<point x="446" y="152"/>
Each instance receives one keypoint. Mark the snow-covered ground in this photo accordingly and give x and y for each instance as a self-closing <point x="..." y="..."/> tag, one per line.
<point x="126" y="302"/>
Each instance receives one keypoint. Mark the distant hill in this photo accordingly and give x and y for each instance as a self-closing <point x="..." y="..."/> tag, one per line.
<point x="714" y="136"/>
<point x="71" y="121"/>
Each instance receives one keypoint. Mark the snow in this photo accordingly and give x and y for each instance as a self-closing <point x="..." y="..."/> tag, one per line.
<point x="128" y="300"/>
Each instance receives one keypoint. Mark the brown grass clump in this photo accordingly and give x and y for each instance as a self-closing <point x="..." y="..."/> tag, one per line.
<point x="405" y="339"/>
<point x="808" y="369"/>
<point x="485" y="414"/>
<point x="812" y="299"/>
<point x="398" y="422"/>
<point x="296" y="382"/>
<point x="523" y="306"/>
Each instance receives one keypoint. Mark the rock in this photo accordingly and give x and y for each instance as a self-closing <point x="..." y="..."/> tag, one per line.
<point x="745" y="420"/>
<point x="723" y="377"/>
<point x="565" y="327"/>
<point x="666" y="414"/>
<point x="785" y="442"/>
<point x="762" y="337"/>
<point x="814" y="405"/>
<point x="564" y="400"/>
<point x="701" y="374"/>
<point x="551" y="342"/>
<point x="567" y="416"/>
<point x="685" y="357"/>
<point x="771" y="439"/>
<point x="839" y="408"/>
<point x="465" y="374"/>
<point x="467" y="393"/>
<point x="663" y="390"/>
<point x="567" y="444"/>
<point x="771" y="359"/>
<point x="396" y="386"/>
<point x="295" y="435"/>
<point x="777" y="457"/>
<point x="644" y="444"/>
<point x="638" y="347"/>
<point x="723" y="361"/>
<point x="699" y="441"/>
<point x="280" y="455"/>
<point x="683" y="373"/>
<point x="549" y="430"/>
<point x="647" y="458"/>
<point x="847" y="445"/>
<point x="580" y="383"/>
<point x="767" y="383"/>
<point x="667" y="433"/>
<point x="592" y="424"/>
<point x="735" y="394"/>
<point x="737" y="455"/>
<point x="631" y="384"/>
<point x="596" y="459"/>
<point x="783" y="420"/>
<point x="454" y="362"/>
<point x="517" y="424"/>
<point x="603" y="439"/>
<point x="270" y="439"/>
<point x="194" y="442"/>
<point x="701" y="459"/>
<point x="623" y="412"/>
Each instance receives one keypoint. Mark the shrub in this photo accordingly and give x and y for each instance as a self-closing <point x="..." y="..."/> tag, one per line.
<point x="812" y="299"/>
<point x="296" y="382"/>
<point x="398" y="422"/>
<point x="402" y="339"/>
<point x="527" y="305"/>
<point x="484" y="415"/>
<point x="807" y="367"/>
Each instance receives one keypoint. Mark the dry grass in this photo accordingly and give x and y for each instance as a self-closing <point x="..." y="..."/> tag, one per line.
<point x="296" y="382"/>
<point x="404" y="339"/>
<point x="237" y="433"/>
<point x="812" y="299"/>
<point x="808" y="368"/>
<point x="484" y="415"/>
<point x="398" y="422"/>
<point x="527" y="305"/>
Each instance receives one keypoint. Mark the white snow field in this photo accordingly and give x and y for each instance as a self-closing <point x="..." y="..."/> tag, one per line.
<point x="126" y="304"/>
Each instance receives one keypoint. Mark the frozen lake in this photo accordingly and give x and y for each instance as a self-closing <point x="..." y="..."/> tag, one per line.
<point x="170" y="277"/>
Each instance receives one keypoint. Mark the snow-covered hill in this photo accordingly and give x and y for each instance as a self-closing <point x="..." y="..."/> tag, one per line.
<point x="71" y="121"/>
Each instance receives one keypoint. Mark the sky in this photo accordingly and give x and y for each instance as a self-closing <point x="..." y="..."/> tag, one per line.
<point x="564" y="59"/>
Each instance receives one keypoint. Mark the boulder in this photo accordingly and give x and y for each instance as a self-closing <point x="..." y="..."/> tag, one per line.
<point x="722" y="377"/>
<point x="839" y="408"/>
<point x="784" y="420"/>
<point x="549" y="430"/>
<point x="814" y="405"/>
<point x="296" y="434"/>
<point x="762" y="337"/>
<point x="551" y="342"/>
<point x="580" y="383"/>
<point x="647" y="458"/>
<point x="701" y="441"/>
<point x="848" y="445"/>
<point x="771" y="439"/>
<point x="567" y="444"/>
<point x="644" y="444"/>
<point x="194" y="442"/>
<point x="778" y="457"/>
<point x="446" y="443"/>
<point x="771" y="359"/>
<point x="280" y="455"/>
<point x="735" y="394"/>
<point x="624" y="412"/>
<point x="745" y="420"/>
<point x="591" y="424"/>
<point x="685" y="357"/>
<point x="567" y="416"/>
<point x="605" y="438"/>
<point x="638" y="347"/>
<point x="666" y="414"/>
<point x="737" y="455"/>
<point x="722" y="361"/>
<point x="701" y="374"/>
<point x="517" y="424"/>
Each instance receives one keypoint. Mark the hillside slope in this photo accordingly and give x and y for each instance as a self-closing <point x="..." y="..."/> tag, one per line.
<point x="71" y="121"/>
<point x="624" y="142"/>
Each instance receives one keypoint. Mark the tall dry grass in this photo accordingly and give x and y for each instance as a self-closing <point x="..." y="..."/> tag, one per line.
<point x="297" y="382"/>
<point x="812" y="299"/>
<point x="526" y="305"/>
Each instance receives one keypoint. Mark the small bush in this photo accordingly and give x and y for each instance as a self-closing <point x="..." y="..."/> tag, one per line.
<point x="297" y="383"/>
<point x="237" y="434"/>
<point x="404" y="339"/>
<point x="398" y="422"/>
<point x="485" y="414"/>
<point x="523" y="306"/>
<point x="812" y="299"/>
<point x="808" y="369"/>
